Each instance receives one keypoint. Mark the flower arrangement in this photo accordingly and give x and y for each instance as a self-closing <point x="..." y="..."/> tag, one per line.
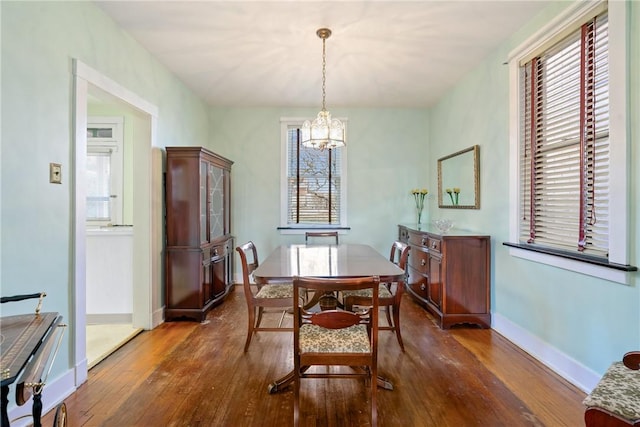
<point x="454" y="194"/>
<point x="419" y="195"/>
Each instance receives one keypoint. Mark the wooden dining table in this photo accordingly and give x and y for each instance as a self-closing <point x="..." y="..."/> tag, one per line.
<point x="327" y="261"/>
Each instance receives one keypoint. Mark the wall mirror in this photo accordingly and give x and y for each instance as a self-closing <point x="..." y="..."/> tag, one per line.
<point x="459" y="179"/>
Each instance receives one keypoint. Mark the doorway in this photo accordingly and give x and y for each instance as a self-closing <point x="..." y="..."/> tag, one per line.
<point x="92" y="86"/>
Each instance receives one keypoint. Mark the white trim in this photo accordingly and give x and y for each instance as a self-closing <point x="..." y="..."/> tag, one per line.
<point x="285" y="122"/>
<point x="605" y="273"/>
<point x="567" y="367"/>
<point x="619" y="252"/>
<point x="144" y="218"/>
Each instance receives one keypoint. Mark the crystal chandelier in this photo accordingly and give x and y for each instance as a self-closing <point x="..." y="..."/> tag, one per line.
<point x="323" y="132"/>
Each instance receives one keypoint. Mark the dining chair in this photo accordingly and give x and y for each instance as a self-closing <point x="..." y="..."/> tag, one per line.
<point x="320" y="234"/>
<point x="335" y="337"/>
<point x="390" y="294"/>
<point x="262" y="297"/>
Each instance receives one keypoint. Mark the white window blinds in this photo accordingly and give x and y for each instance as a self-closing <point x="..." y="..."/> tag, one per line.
<point x="564" y="143"/>
<point x="313" y="183"/>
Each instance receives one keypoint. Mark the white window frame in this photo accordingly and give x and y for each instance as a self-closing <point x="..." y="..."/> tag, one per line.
<point x="286" y="228"/>
<point x="114" y="146"/>
<point x="619" y="243"/>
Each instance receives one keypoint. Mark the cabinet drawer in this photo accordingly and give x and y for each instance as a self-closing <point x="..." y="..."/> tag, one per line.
<point x="417" y="239"/>
<point x="418" y="284"/>
<point x="433" y="244"/>
<point x="419" y="260"/>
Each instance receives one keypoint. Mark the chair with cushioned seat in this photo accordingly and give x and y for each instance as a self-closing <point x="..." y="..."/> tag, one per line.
<point x="310" y="236"/>
<point x="390" y="294"/>
<point x="335" y="337"/>
<point x="273" y="295"/>
<point x="615" y="401"/>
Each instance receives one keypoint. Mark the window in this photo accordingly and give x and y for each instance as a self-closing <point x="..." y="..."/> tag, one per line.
<point x="104" y="170"/>
<point x="567" y="146"/>
<point x="313" y="183"/>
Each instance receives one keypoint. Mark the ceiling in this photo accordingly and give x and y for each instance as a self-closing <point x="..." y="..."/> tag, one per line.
<point x="266" y="53"/>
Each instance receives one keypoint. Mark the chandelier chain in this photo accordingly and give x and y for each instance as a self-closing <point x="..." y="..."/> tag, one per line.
<point x="324" y="73"/>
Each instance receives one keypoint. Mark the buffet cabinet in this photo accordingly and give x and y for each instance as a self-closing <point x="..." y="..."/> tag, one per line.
<point x="199" y="245"/>
<point x="449" y="274"/>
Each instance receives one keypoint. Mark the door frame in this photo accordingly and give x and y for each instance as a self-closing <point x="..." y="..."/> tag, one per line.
<point x="144" y="220"/>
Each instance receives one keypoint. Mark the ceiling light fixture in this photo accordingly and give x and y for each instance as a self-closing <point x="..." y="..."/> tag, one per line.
<point x="323" y="132"/>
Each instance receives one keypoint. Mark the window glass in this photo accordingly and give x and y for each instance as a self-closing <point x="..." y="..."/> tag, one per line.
<point x="313" y="184"/>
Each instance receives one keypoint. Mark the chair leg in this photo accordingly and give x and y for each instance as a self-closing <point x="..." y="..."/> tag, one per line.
<point x="386" y="309"/>
<point x="284" y="312"/>
<point x="396" y="325"/>
<point x="374" y="404"/>
<point x="250" y="327"/>
<point x="296" y="400"/>
<point x="260" y="311"/>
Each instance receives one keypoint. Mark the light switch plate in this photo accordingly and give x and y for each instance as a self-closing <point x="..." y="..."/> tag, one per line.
<point x="55" y="173"/>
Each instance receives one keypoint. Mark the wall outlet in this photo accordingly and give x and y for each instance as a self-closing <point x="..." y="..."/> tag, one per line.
<point x="55" y="173"/>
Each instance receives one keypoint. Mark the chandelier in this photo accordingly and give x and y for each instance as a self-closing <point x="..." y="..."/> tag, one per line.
<point x="323" y="132"/>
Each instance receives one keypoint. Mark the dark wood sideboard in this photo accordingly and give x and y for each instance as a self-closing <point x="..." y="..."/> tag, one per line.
<point x="199" y="245"/>
<point x="450" y="274"/>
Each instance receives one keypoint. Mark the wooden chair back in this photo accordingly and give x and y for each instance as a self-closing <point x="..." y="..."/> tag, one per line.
<point x="337" y="353"/>
<point x="320" y="234"/>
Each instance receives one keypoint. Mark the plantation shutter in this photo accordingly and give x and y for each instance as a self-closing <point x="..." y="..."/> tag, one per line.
<point x="564" y="125"/>
<point x="313" y="189"/>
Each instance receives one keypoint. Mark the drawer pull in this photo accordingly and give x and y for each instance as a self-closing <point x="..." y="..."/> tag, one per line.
<point x="433" y="245"/>
<point x="423" y="262"/>
<point x="423" y="287"/>
<point x="423" y="241"/>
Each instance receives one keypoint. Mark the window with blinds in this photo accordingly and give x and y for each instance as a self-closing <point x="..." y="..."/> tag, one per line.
<point x="564" y="143"/>
<point x="314" y="195"/>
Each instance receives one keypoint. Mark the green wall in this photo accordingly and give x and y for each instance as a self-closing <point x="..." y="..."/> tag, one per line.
<point x="39" y="41"/>
<point x="390" y="151"/>
<point x="591" y="321"/>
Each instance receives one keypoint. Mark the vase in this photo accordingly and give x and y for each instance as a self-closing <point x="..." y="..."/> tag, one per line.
<point x="418" y="216"/>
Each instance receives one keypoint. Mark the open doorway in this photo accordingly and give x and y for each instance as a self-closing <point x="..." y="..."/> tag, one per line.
<point x="93" y="92"/>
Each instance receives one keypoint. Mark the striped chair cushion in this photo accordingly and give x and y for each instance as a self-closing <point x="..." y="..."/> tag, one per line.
<point x="618" y="392"/>
<point x="281" y="290"/>
<point x="316" y="339"/>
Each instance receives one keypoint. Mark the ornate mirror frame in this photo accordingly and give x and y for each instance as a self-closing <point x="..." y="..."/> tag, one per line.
<point x="459" y="179"/>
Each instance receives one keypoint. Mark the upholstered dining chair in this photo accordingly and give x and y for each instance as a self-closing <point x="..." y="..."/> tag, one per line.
<point x="390" y="294"/>
<point x="335" y="337"/>
<point x="262" y="297"/>
<point x="310" y="236"/>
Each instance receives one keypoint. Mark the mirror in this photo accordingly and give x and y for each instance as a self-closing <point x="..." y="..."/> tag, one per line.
<point x="459" y="179"/>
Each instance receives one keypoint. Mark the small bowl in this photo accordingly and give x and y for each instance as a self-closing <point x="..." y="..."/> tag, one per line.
<point x="443" y="225"/>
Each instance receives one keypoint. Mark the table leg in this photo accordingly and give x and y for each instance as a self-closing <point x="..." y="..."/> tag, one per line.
<point x="284" y="382"/>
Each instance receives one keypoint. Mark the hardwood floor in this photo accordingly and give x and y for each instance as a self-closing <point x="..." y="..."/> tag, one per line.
<point x="192" y="374"/>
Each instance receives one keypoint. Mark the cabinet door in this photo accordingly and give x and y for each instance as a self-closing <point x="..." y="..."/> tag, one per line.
<point x="204" y="204"/>
<point x="219" y="265"/>
<point x="207" y="277"/>
<point x="216" y="202"/>
<point x="435" y="280"/>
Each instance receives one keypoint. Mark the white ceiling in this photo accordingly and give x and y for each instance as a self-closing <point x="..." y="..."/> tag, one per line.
<point x="267" y="54"/>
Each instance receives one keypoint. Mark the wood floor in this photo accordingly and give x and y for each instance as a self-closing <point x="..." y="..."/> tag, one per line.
<point x="192" y="374"/>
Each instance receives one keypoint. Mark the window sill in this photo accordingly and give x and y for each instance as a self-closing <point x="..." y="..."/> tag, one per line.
<point x="586" y="265"/>
<point x="303" y="229"/>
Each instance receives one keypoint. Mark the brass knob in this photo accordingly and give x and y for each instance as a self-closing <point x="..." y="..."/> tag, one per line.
<point x="423" y="262"/>
<point x="423" y="287"/>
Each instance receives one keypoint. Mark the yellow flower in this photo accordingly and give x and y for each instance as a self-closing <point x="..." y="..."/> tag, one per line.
<point x="456" y="190"/>
<point x="448" y="190"/>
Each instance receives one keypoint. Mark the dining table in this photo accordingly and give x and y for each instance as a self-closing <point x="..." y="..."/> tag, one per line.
<point x="325" y="261"/>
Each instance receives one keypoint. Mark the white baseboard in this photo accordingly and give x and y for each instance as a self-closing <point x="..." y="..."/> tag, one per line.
<point x="109" y="318"/>
<point x="568" y="368"/>
<point x="157" y="317"/>
<point x="54" y="393"/>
